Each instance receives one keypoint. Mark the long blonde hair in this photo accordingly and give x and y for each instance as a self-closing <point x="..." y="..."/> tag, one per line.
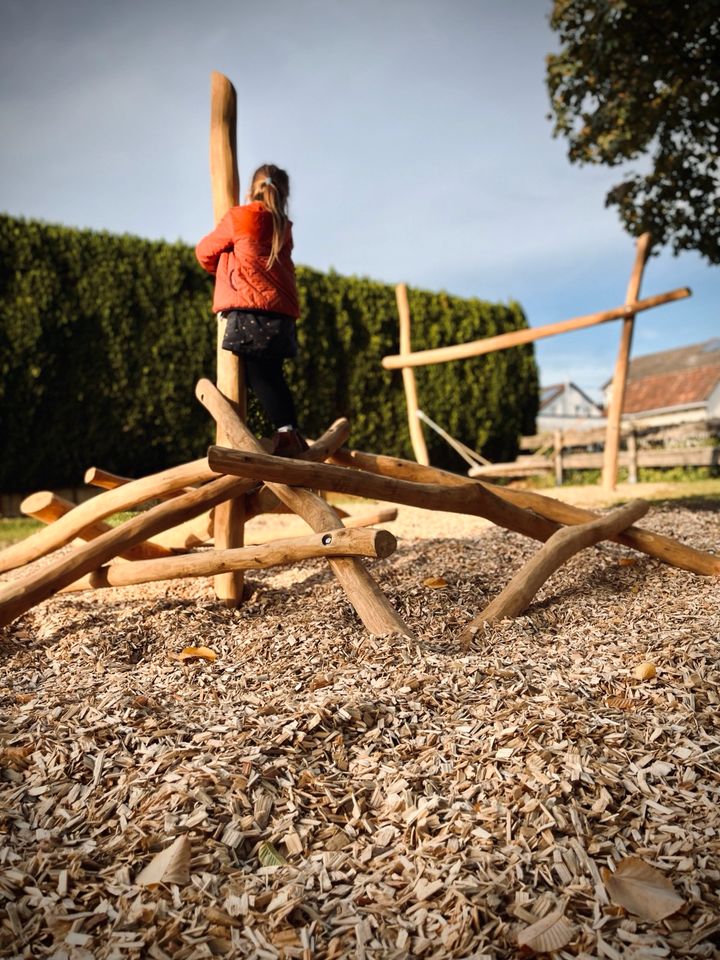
<point x="271" y="186"/>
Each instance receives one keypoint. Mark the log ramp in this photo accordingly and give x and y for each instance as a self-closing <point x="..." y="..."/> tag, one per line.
<point x="159" y="542"/>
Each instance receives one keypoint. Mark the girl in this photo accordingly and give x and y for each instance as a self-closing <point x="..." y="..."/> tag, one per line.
<point x="250" y="255"/>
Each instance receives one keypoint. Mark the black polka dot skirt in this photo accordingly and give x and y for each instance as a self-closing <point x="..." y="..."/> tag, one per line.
<point x="254" y="333"/>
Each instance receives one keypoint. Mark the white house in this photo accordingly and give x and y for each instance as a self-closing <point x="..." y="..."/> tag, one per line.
<point x="564" y="406"/>
<point x="674" y="386"/>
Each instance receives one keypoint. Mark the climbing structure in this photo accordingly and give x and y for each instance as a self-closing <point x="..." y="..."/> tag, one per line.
<point x="209" y="500"/>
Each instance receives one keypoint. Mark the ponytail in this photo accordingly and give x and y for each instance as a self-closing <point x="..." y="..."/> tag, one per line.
<point x="271" y="186"/>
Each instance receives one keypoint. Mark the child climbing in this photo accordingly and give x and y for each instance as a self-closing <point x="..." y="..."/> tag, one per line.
<point x="250" y="255"/>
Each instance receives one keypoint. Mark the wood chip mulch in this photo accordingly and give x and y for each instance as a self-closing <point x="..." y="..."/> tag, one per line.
<point x="329" y="794"/>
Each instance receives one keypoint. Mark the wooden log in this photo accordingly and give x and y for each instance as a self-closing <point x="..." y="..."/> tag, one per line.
<point x="475" y="500"/>
<point x="229" y="517"/>
<point x="461" y="351"/>
<point x="297" y="525"/>
<point x="48" y="507"/>
<point x="617" y="394"/>
<point x="264" y="500"/>
<point x="338" y="543"/>
<point x="104" y="505"/>
<point x="97" y="477"/>
<point x="417" y="438"/>
<point x="564" y="544"/>
<point x="18" y="596"/>
<point x="370" y="603"/>
<point x="653" y="544"/>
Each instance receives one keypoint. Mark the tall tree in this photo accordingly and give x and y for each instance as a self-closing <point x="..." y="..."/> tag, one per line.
<point x="642" y="77"/>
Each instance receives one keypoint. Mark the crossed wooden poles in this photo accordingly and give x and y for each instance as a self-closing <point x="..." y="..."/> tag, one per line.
<point x="158" y="544"/>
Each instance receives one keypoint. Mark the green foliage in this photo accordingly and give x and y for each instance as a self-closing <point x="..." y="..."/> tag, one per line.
<point x="102" y="339"/>
<point x="642" y="76"/>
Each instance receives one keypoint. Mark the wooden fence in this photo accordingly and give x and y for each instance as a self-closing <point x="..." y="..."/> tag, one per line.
<point x="583" y="450"/>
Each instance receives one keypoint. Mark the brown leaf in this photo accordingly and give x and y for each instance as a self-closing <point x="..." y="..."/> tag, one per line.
<point x="552" y="932"/>
<point x="627" y="562"/>
<point x="642" y="889"/>
<point x="645" y="670"/>
<point x="621" y="703"/>
<point x="435" y="583"/>
<point x="171" y="865"/>
<point x="197" y="653"/>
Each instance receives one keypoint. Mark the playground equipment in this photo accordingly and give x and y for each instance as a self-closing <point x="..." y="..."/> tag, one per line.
<point x="212" y="498"/>
<point x="406" y="360"/>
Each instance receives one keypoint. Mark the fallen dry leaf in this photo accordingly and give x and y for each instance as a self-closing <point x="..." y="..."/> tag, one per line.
<point x="269" y="856"/>
<point x="627" y="562"/>
<point x="196" y="653"/>
<point x="171" y="865"/>
<point x="645" y="670"/>
<point x="435" y="583"/>
<point x="620" y="703"/>
<point x="642" y="889"/>
<point x="552" y="932"/>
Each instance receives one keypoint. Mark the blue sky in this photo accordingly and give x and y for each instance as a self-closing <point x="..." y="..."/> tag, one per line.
<point x="415" y="133"/>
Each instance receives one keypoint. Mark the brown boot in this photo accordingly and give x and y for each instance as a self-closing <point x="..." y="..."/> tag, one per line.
<point x="289" y="443"/>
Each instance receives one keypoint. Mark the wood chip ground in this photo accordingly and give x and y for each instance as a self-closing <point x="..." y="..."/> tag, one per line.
<point x="345" y="795"/>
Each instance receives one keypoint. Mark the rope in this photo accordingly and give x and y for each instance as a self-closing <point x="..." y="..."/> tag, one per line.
<point x="469" y="456"/>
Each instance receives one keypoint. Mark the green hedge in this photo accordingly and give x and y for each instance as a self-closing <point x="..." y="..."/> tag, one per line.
<point x="102" y="338"/>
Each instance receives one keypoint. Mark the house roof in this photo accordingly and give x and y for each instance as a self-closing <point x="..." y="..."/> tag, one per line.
<point x="673" y="378"/>
<point x="553" y="391"/>
<point x="706" y="354"/>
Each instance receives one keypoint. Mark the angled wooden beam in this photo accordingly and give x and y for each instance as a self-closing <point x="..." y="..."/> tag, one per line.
<point x="653" y="544"/>
<point x="338" y="543"/>
<point x="475" y="348"/>
<point x="475" y="500"/>
<point x="564" y="544"/>
<point x="417" y="438"/>
<point x="619" y="382"/>
<point x="229" y="517"/>
<point x="370" y="603"/>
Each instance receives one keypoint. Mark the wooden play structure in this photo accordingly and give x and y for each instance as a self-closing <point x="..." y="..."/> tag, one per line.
<point x="406" y="360"/>
<point x="208" y="501"/>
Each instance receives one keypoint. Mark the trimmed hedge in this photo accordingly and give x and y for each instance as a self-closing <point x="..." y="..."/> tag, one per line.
<point x="102" y="338"/>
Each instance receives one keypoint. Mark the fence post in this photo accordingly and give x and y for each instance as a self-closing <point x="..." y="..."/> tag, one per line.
<point x="558" y="443"/>
<point x="632" y="456"/>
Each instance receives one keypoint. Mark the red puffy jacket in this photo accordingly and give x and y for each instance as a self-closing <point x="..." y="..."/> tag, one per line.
<point x="237" y="253"/>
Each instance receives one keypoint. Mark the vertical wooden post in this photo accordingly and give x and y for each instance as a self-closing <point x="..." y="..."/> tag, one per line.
<point x="632" y="456"/>
<point x="229" y="519"/>
<point x="558" y="444"/>
<point x="417" y="437"/>
<point x="617" y="394"/>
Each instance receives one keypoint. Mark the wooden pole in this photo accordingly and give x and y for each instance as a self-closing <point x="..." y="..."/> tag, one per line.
<point x="370" y="603"/>
<point x="564" y="544"/>
<point x="461" y="351"/>
<point x="229" y="517"/>
<point x="417" y="438"/>
<point x="476" y="500"/>
<point x="653" y="544"/>
<point x="97" y="477"/>
<point x="339" y="543"/>
<point x="617" y="393"/>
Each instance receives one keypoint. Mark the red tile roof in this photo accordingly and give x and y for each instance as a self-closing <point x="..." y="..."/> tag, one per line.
<point x="672" y="389"/>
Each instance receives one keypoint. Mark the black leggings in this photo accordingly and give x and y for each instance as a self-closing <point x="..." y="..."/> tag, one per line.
<point x="266" y="379"/>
